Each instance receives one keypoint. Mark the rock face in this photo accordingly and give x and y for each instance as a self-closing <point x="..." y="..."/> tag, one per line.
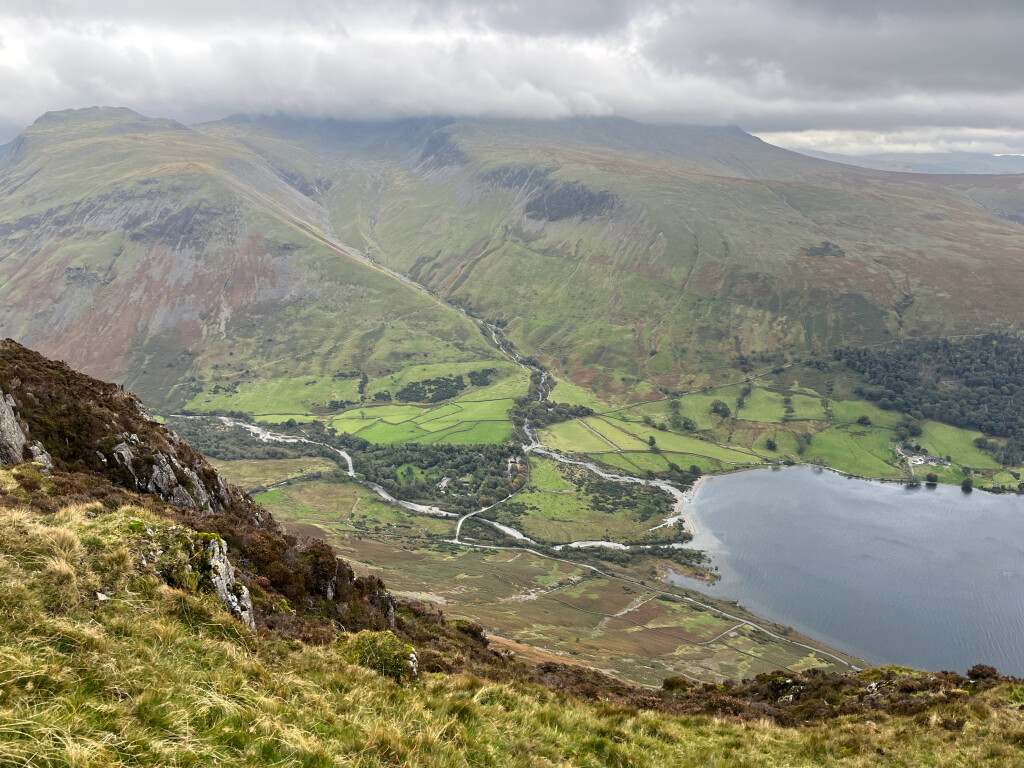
<point x="65" y="420"/>
<point x="97" y="428"/>
<point x="12" y="439"/>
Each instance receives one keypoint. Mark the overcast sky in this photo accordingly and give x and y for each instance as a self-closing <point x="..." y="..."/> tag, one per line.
<point x="836" y="75"/>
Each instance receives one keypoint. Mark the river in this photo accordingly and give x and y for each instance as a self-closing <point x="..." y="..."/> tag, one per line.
<point x="926" y="577"/>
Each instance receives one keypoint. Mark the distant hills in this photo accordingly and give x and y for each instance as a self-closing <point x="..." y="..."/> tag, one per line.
<point x="627" y="257"/>
<point x="929" y="162"/>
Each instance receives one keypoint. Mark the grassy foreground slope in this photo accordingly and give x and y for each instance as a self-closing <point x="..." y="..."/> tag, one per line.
<point x="117" y="647"/>
<point x="103" y="663"/>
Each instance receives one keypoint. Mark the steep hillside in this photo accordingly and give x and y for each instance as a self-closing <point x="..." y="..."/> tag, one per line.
<point x="90" y="439"/>
<point x="630" y="258"/>
<point x="121" y="642"/>
<point x="140" y="249"/>
<point x="634" y="257"/>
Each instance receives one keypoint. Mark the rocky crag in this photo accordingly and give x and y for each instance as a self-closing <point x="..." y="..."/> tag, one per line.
<point x="67" y="423"/>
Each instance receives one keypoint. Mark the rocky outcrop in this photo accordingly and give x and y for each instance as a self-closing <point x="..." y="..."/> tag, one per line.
<point x="13" y="441"/>
<point x="93" y="425"/>
<point x="97" y="428"/>
<point x="231" y="592"/>
<point x="196" y="562"/>
<point x="167" y="477"/>
<point x="39" y="454"/>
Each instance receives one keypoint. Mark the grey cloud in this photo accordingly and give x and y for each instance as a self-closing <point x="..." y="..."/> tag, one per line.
<point x="575" y="18"/>
<point x="767" y="65"/>
<point x="796" y="49"/>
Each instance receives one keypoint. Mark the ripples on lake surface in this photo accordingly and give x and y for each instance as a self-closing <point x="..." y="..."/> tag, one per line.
<point x="929" y="578"/>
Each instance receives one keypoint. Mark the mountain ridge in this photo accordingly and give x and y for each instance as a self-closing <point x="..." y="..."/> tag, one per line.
<point x="602" y="223"/>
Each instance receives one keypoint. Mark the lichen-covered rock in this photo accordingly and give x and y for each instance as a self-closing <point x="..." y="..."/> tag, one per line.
<point x="162" y="480"/>
<point x="231" y="592"/>
<point x="12" y="438"/>
<point x="164" y="483"/>
<point x="198" y="492"/>
<point x="196" y="562"/>
<point x="123" y="455"/>
<point x="39" y="454"/>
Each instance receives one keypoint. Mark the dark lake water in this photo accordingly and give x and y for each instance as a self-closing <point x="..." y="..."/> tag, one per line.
<point x="929" y="578"/>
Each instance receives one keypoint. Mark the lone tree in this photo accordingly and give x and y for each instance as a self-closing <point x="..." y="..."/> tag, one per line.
<point x="932" y="478"/>
<point x="967" y="485"/>
<point x="770" y="444"/>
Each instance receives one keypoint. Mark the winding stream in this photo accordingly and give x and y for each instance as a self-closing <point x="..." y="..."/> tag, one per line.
<point x="682" y="498"/>
<point x="267" y="436"/>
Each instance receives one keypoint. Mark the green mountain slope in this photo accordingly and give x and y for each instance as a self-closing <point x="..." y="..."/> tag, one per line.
<point x="634" y="257"/>
<point x="627" y="257"/>
<point x="141" y="249"/>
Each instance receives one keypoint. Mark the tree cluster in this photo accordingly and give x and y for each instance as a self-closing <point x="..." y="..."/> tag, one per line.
<point x="431" y="390"/>
<point x="975" y="383"/>
<point x="478" y="474"/>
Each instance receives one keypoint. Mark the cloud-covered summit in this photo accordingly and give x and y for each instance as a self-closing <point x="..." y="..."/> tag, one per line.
<point x="931" y="74"/>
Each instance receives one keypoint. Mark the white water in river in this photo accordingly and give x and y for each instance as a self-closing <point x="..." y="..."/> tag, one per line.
<point x="275" y="437"/>
<point x="681" y="497"/>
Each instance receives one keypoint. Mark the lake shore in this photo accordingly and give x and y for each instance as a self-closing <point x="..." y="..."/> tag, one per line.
<point x="686" y="500"/>
<point x="921" y="577"/>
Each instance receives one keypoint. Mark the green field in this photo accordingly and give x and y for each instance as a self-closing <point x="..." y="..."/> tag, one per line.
<point x="573" y="436"/>
<point x="855" y="449"/>
<point x="763" y="405"/>
<point x="618" y="434"/>
<point x="394" y="414"/>
<point x="848" y="411"/>
<point x="250" y="474"/>
<point x="383" y="432"/>
<point x="943" y="440"/>
<point x="785" y="444"/>
<point x="807" y="407"/>
<point x="295" y="396"/>
<point x="545" y="476"/>
<point x="654" y="462"/>
<point x="686" y="460"/>
<point x="565" y="391"/>
<point x="281" y="418"/>
<point x="481" y="432"/>
<point x="562" y="504"/>
<point x="696" y="406"/>
<point x="508" y="380"/>
<point x="465" y="422"/>
<point x="511" y="381"/>
<point x="347" y="506"/>
<point x="617" y="461"/>
<point x="671" y="441"/>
